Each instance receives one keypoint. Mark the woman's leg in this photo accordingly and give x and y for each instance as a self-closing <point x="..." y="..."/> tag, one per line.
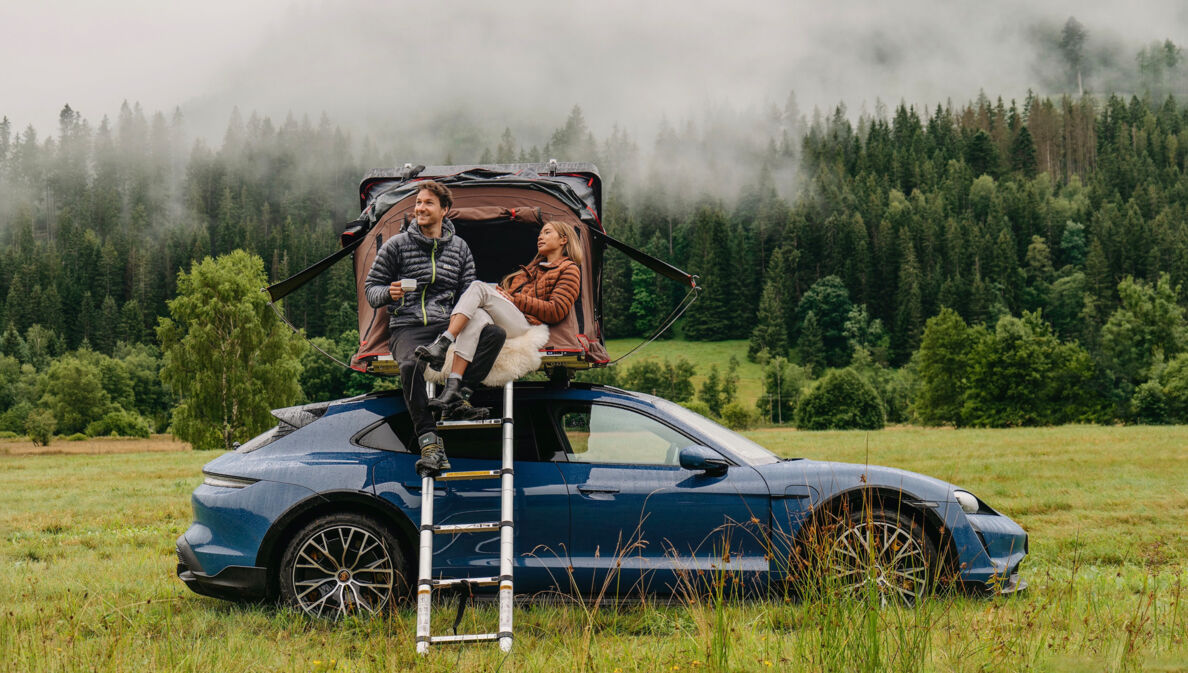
<point x="471" y="300"/>
<point x="434" y="354"/>
<point x="467" y="339"/>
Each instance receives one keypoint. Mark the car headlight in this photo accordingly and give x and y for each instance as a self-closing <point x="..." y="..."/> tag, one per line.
<point x="223" y="481"/>
<point x="969" y="504"/>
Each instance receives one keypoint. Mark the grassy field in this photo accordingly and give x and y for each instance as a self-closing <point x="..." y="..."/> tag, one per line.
<point x="703" y="355"/>
<point x="87" y="575"/>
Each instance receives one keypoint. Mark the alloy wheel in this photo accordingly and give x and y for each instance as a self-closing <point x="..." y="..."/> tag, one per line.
<point x="342" y="570"/>
<point x="882" y="556"/>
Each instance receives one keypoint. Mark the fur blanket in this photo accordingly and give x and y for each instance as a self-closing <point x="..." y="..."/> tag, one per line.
<point x="519" y="356"/>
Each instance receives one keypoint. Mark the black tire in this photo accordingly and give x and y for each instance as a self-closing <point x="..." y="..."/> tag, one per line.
<point x="886" y="551"/>
<point x="342" y="564"/>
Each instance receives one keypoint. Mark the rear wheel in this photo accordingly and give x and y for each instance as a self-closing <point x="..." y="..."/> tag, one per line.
<point x="342" y="564"/>
<point x="884" y="553"/>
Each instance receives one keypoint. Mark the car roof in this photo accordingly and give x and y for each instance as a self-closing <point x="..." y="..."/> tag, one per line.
<point x="524" y="390"/>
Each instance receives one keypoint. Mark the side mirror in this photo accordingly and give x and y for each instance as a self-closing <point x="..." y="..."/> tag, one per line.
<point x="703" y="458"/>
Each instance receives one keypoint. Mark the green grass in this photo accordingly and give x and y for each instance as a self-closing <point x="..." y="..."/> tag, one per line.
<point x="87" y="577"/>
<point x="703" y="355"/>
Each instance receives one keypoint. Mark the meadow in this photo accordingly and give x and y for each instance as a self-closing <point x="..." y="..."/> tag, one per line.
<point x="703" y="355"/>
<point x="87" y="575"/>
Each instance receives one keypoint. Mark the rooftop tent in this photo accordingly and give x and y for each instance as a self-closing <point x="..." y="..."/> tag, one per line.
<point x="498" y="210"/>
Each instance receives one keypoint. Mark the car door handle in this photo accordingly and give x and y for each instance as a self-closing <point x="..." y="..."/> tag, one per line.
<point x="587" y="490"/>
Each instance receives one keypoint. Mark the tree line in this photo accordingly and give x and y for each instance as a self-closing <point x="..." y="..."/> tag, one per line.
<point x="827" y="241"/>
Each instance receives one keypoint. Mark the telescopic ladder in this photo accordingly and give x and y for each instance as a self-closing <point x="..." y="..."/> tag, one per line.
<point x="425" y="581"/>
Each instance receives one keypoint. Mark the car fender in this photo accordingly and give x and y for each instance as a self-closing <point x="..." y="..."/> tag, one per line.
<point x="333" y="502"/>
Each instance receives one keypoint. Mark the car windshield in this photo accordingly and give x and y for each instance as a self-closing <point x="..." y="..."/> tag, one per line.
<point x="744" y="448"/>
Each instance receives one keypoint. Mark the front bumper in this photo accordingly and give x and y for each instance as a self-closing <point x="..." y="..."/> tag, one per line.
<point x="236" y="583"/>
<point x="1013" y="585"/>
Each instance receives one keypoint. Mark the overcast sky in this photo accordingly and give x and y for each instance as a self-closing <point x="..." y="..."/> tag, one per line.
<point x="369" y="64"/>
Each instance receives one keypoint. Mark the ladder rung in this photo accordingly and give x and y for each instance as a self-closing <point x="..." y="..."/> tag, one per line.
<point x="478" y="581"/>
<point x="472" y="474"/>
<point x="464" y="638"/>
<point x="468" y="527"/>
<point x="463" y="425"/>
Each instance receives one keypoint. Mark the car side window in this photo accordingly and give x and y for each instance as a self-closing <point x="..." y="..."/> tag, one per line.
<point x="604" y="434"/>
<point x="396" y="434"/>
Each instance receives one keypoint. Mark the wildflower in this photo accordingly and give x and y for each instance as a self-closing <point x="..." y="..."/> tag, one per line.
<point x="766" y="663"/>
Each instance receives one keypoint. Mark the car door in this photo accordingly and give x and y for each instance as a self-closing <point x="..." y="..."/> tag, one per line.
<point x="541" y="506"/>
<point x="641" y="522"/>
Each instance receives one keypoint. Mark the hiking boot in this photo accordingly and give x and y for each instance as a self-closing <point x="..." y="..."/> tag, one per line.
<point x="434" y="354"/>
<point x="452" y="393"/>
<point x="465" y="411"/>
<point x="433" y="456"/>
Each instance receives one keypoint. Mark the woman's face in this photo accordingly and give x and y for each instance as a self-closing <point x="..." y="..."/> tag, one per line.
<point x="549" y="241"/>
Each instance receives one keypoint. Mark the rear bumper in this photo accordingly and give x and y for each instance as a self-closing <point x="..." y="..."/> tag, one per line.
<point x="235" y="583"/>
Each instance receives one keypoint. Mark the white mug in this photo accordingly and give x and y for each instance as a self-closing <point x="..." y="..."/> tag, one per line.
<point x="408" y="284"/>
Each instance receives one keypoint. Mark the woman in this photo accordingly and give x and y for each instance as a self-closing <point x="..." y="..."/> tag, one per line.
<point x="543" y="292"/>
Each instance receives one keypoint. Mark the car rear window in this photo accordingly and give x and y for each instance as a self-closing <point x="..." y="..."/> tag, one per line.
<point x="395" y="433"/>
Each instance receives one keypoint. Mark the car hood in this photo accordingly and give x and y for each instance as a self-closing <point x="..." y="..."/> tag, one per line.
<point x="817" y="479"/>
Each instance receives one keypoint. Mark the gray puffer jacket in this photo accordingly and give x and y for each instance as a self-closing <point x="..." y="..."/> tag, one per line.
<point x="443" y="267"/>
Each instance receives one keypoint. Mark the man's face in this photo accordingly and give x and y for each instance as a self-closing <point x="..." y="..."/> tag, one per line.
<point x="427" y="209"/>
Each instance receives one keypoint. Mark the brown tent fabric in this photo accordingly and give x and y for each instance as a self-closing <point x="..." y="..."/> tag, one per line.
<point x="500" y="224"/>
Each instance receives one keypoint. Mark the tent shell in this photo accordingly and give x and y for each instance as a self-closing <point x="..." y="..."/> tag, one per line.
<point x="498" y="210"/>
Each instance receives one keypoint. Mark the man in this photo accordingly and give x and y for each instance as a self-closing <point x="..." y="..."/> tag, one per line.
<point x="429" y="252"/>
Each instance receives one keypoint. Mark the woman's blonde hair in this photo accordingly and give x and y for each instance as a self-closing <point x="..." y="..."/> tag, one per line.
<point x="571" y="248"/>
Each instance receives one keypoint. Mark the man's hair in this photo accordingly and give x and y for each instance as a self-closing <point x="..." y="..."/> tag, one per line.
<point x="440" y="191"/>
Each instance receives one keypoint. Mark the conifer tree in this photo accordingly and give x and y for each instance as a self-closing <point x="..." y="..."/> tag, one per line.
<point x="1023" y="153"/>
<point x="712" y="316"/>
<point x="811" y="345"/>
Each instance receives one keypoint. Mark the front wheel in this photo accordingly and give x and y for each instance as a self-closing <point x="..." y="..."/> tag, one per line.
<point x="340" y="565"/>
<point x="885" y="554"/>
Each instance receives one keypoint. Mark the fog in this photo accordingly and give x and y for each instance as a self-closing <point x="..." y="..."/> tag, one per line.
<point x="407" y="69"/>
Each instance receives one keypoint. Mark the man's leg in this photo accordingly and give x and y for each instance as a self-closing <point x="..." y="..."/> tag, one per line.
<point x="412" y="382"/>
<point x="490" y="342"/>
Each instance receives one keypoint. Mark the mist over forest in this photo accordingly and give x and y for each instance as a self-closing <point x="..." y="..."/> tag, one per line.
<point x="834" y="219"/>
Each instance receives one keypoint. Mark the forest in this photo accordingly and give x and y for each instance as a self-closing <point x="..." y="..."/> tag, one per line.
<point x="990" y="263"/>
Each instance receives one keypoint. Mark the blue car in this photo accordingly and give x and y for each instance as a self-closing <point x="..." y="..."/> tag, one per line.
<point x="616" y="492"/>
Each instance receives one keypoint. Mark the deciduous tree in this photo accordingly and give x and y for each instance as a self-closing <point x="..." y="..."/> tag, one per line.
<point x="226" y="355"/>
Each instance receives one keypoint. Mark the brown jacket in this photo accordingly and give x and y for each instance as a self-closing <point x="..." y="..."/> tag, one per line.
<point x="546" y="294"/>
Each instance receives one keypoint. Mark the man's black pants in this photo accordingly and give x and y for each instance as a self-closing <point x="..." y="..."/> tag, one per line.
<point x="404" y="340"/>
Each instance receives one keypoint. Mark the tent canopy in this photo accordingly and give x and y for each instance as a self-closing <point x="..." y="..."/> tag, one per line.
<point x="498" y="210"/>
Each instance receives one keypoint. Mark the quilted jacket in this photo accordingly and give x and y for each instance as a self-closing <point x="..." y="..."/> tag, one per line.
<point x="443" y="268"/>
<point x="544" y="293"/>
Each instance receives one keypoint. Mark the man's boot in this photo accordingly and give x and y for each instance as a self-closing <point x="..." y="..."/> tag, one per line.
<point x="434" y="354"/>
<point x="433" y="456"/>
<point x="465" y="411"/>
<point x="452" y="393"/>
<point x="454" y="403"/>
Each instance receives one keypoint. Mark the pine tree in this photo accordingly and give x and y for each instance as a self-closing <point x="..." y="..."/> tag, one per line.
<point x="711" y="391"/>
<point x="909" y="311"/>
<point x="712" y="316"/>
<point x="771" y="320"/>
<point x="811" y="345"/>
<point x="1023" y="153"/>
<point x="107" y="327"/>
<point x="981" y="155"/>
